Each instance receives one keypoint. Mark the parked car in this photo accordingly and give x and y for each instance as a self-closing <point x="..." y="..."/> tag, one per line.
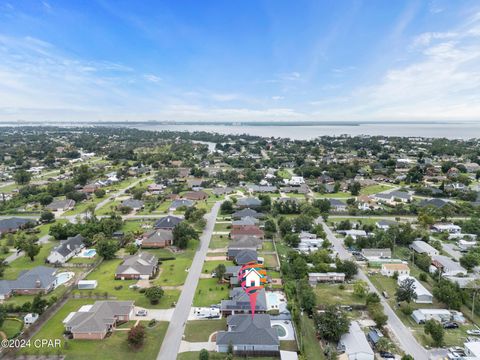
<point x="450" y="325"/>
<point x="142" y="312"/>
<point x="387" y="355"/>
<point x="385" y="294"/>
<point x="475" y="332"/>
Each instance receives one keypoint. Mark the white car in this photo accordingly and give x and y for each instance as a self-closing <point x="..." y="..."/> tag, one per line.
<point x="475" y="332"/>
<point x="142" y="312"/>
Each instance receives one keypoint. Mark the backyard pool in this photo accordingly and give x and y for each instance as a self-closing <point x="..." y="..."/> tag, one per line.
<point x="281" y="332"/>
<point x="87" y="253"/>
<point x="275" y="300"/>
<point x="63" y="277"/>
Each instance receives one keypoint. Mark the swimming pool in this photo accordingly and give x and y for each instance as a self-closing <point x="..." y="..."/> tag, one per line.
<point x="63" y="277"/>
<point x="87" y="253"/>
<point x="281" y="331"/>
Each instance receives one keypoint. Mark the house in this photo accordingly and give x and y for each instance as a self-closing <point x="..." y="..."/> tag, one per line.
<point x="353" y="233"/>
<point x="391" y="269"/>
<point x="155" y="189"/>
<point x="13" y="224"/>
<point x="446" y="266"/>
<point x="176" y="204"/>
<point x="133" y="204"/>
<point x="67" y="249"/>
<point x="328" y="277"/>
<point x="294" y="181"/>
<point x="231" y="274"/>
<point x="87" y="284"/>
<point x="157" y="239"/>
<point x="354" y="344"/>
<point x="195" y="195"/>
<point x="249" y="336"/>
<point x="61" y="205"/>
<point x="30" y="318"/>
<point x="423" y="295"/>
<point x="393" y="197"/>
<point x="376" y="254"/>
<point x="244" y="203"/>
<point x="422" y="315"/>
<point x="446" y="227"/>
<point x="39" y="280"/>
<point x="168" y="222"/>
<point x="245" y="221"/>
<point x="245" y="256"/>
<point x="385" y="224"/>
<point x="90" y="188"/>
<point x="239" y="303"/>
<point x="422" y="247"/>
<point x="366" y="203"/>
<point x="243" y="243"/>
<point x="142" y="265"/>
<point x="435" y="202"/>
<point x="194" y="183"/>
<point x="247" y="212"/>
<point x="219" y="191"/>
<point x="247" y="230"/>
<point x="337" y="205"/>
<point x="307" y="245"/>
<point x="94" y="322"/>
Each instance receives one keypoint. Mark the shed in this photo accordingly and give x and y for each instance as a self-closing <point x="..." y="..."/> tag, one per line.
<point x="87" y="284"/>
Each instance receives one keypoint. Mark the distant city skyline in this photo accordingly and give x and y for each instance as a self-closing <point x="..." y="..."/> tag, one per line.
<point x="239" y="61"/>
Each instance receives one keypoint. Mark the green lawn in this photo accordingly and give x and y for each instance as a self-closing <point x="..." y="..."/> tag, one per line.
<point x="200" y="330"/>
<point x="193" y="355"/>
<point x="24" y="262"/>
<point x="268" y="246"/>
<point x="11" y="327"/>
<point x="284" y="174"/>
<point x="222" y="227"/>
<point x="82" y="207"/>
<point x="174" y="272"/>
<point x="331" y="294"/>
<point x="209" y="292"/>
<point x="342" y="195"/>
<point x="209" y="266"/>
<point x="270" y="260"/>
<point x="104" y="274"/>
<point x="132" y="226"/>
<point x="373" y="189"/>
<point x="218" y="241"/>
<point x="108" y="207"/>
<point x="310" y="344"/>
<point x="114" y="347"/>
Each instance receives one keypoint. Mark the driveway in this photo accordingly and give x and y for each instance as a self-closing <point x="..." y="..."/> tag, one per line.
<point x="173" y="338"/>
<point x="157" y="314"/>
<point x="403" y="335"/>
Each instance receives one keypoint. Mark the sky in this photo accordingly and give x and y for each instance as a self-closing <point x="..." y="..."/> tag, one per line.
<point x="239" y="60"/>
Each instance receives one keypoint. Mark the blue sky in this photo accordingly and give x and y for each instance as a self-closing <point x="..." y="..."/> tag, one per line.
<point x="244" y="60"/>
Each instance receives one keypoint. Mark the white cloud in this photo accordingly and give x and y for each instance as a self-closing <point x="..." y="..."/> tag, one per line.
<point x="152" y="78"/>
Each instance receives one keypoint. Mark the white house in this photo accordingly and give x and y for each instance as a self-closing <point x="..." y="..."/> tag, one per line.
<point x="63" y="252"/>
<point x="446" y="227"/>
<point x="422" y="315"/>
<point x="446" y="266"/>
<point x="30" y="318"/>
<point x="355" y="344"/>
<point x="353" y="233"/>
<point x="376" y="254"/>
<point x="391" y="269"/>
<point x="294" y="181"/>
<point x="328" y="277"/>
<point x="422" y="247"/>
<point x="423" y="295"/>
<point x="307" y="245"/>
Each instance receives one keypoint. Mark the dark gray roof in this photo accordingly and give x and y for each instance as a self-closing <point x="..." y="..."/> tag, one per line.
<point x="181" y="202"/>
<point x="70" y="245"/>
<point x="336" y="202"/>
<point x="100" y="315"/>
<point x="247" y="213"/>
<point x="13" y="224"/>
<point x="249" y="202"/>
<point x="239" y="300"/>
<point x="386" y="222"/>
<point x="245" y="256"/>
<point x="40" y="277"/>
<point x="245" y="330"/>
<point x="60" y="204"/>
<point x="132" y="203"/>
<point x="168" y="222"/>
<point x="143" y="262"/>
<point x="158" y="236"/>
<point x="438" y="203"/>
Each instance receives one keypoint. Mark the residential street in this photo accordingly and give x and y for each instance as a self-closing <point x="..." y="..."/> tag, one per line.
<point x="16" y="255"/>
<point x="403" y="335"/>
<point x="173" y="337"/>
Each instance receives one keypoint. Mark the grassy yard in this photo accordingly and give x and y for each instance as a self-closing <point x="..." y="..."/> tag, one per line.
<point x="331" y="294"/>
<point x="132" y="225"/>
<point x="113" y="347"/>
<point x="284" y="174"/>
<point x="24" y="262"/>
<point x="218" y="241"/>
<point x="82" y="206"/>
<point x="193" y="355"/>
<point x="11" y="327"/>
<point x="222" y="227"/>
<point x="267" y="246"/>
<point x="309" y="341"/>
<point x="104" y="274"/>
<point x="209" y="266"/>
<point x="209" y="292"/>
<point x="342" y="195"/>
<point x="200" y="330"/>
<point x="270" y="260"/>
<point x="174" y="272"/>
<point x="373" y="189"/>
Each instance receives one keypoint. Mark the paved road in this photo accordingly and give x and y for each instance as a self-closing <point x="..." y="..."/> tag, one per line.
<point x="404" y="336"/>
<point x="18" y="254"/>
<point x="173" y="337"/>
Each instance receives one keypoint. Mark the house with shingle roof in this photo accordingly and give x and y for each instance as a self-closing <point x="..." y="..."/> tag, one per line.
<point x="249" y="335"/>
<point x="245" y="256"/>
<point x="142" y="265"/>
<point x="61" y="205"/>
<point x="133" y="204"/>
<point x="247" y="213"/>
<point x="248" y="203"/>
<point x="39" y="280"/>
<point x="157" y="239"/>
<point x="168" y="222"/>
<point x="239" y="302"/>
<point x="195" y="195"/>
<point x="67" y="249"/>
<point x="94" y="322"/>
<point x="180" y="203"/>
<point x="13" y="224"/>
